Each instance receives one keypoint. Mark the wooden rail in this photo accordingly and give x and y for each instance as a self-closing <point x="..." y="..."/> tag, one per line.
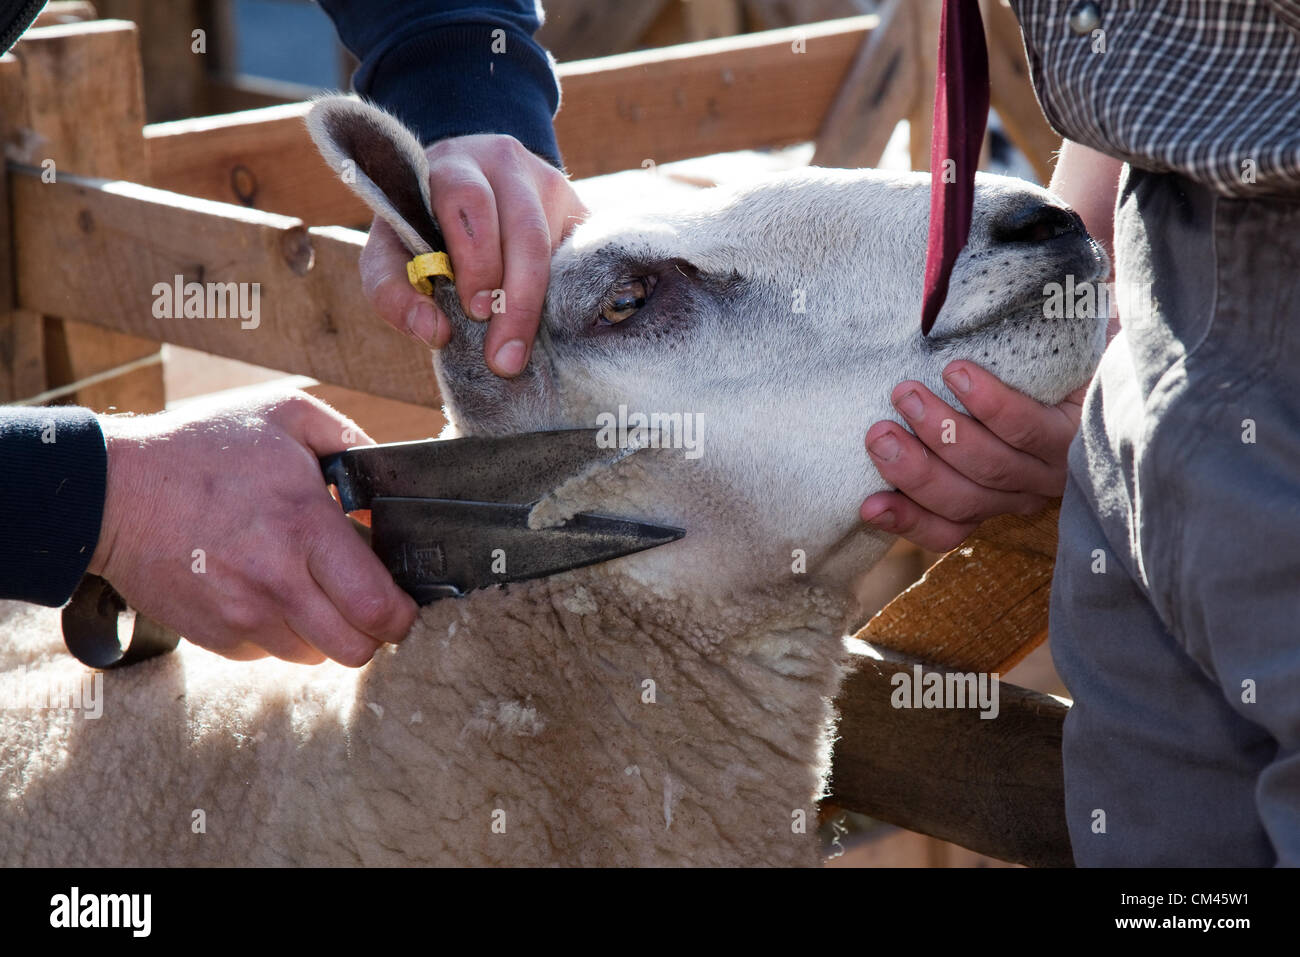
<point x="992" y="785"/>
<point x="743" y="92"/>
<point x="843" y="83"/>
<point x="94" y="250"/>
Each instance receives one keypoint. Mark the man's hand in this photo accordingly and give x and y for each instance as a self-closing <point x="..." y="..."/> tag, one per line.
<point x="1011" y="457"/>
<point x="218" y="524"/>
<point x="503" y="212"/>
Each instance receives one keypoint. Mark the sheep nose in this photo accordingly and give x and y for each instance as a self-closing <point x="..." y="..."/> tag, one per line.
<point x="1036" y="223"/>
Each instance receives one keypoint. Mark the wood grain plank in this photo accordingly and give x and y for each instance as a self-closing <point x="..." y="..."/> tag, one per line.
<point x="174" y="76"/>
<point x="582" y="29"/>
<point x="920" y="120"/>
<point x="313" y="319"/>
<point x="981" y="607"/>
<point x="1012" y="93"/>
<point x="85" y="112"/>
<point x="695" y="99"/>
<point x="261" y="158"/>
<point x="879" y="91"/>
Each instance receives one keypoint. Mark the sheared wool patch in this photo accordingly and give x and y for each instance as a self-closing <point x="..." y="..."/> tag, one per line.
<point x="517" y="718"/>
<point x="581" y="602"/>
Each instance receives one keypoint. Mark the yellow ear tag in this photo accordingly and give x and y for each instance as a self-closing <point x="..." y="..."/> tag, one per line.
<point x="419" y="269"/>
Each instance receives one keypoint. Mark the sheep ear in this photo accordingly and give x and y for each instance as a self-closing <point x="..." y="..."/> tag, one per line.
<point x="382" y="162"/>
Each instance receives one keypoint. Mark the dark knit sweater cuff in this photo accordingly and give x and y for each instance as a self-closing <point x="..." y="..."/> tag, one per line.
<point x="52" y="486"/>
<point x="448" y="82"/>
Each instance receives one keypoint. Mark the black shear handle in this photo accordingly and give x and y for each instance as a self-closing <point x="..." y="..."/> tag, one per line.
<point x="90" y="628"/>
<point x="336" y="472"/>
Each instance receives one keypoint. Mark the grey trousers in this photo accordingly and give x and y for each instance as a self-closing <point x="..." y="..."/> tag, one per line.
<point x="1175" y="619"/>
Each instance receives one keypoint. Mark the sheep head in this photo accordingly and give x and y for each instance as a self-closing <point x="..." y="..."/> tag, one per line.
<point x="774" y="319"/>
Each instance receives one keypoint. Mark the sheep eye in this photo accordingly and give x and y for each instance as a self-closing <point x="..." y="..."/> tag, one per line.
<point x="625" y="298"/>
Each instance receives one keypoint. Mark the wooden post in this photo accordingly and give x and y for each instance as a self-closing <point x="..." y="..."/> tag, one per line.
<point x="22" y="355"/>
<point x="22" y="358"/>
<point x="688" y="21"/>
<point x="85" y="114"/>
<point x="920" y="118"/>
<point x="175" y="77"/>
<point x="774" y="14"/>
<point x="65" y="11"/>
<point x="880" y="90"/>
<point x="1012" y="92"/>
<point x="582" y="29"/>
<point x="710" y="19"/>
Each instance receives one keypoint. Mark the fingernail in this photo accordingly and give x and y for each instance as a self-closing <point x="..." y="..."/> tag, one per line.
<point x="480" y="306"/>
<point x="911" y="407"/>
<point x="421" y="322"/>
<point x="884" y="520"/>
<point x="885" y="448"/>
<point x="511" y="357"/>
<point x="958" y="381"/>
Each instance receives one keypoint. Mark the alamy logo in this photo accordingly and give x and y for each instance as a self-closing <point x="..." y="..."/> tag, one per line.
<point x="75" y="909"/>
<point x="40" y="692"/>
<point x="1095" y="300"/>
<point x="657" y="430"/>
<point x="953" y="689"/>
<point x="179" y="299"/>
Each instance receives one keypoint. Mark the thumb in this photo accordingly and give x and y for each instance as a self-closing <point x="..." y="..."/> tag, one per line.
<point x="322" y="429"/>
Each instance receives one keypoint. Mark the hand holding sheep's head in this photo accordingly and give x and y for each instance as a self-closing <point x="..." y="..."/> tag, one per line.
<point x="764" y="327"/>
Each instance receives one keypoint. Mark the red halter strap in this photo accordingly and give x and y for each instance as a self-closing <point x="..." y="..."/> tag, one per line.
<point x="961" y="108"/>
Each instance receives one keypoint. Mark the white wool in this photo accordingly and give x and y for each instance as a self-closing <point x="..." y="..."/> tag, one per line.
<point x="581" y="602"/>
<point x="670" y="798"/>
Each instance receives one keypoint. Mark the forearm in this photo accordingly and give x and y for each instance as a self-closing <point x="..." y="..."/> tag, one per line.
<point x="1089" y="182"/>
<point x="454" y="67"/>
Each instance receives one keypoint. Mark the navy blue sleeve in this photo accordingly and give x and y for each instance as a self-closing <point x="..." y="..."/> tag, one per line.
<point x="454" y="67"/>
<point x="53" y="473"/>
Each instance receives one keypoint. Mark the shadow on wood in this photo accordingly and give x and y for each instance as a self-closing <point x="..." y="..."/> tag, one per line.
<point x="991" y="785"/>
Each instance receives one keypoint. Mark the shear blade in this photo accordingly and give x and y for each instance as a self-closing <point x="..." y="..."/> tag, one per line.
<point x="513" y="469"/>
<point x="438" y="548"/>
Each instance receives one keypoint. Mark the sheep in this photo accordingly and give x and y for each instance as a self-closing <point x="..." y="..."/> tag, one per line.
<point x="671" y="707"/>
